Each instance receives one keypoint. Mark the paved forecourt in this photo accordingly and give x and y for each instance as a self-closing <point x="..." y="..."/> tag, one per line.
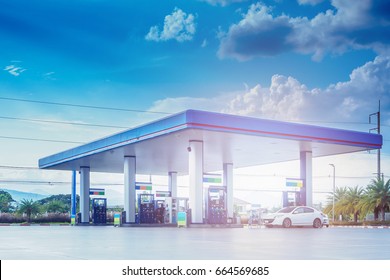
<point x="110" y="243"/>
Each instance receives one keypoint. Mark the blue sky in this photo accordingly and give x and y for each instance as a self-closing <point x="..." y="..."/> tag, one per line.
<point x="303" y="60"/>
<point x="83" y="44"/>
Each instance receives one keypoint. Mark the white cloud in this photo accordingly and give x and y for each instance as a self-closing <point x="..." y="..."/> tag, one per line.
<point x="222" y="2"/>
<point x="14" y="70"/>
<point x="349" y="25"/>
<point x="286" y="98"/>
<point x="49" y="76"/>
<point x="178" y="26"/>
<point x="310" y="2"/>
<point x="179" y="104"/>
<point x="258" y="33"/>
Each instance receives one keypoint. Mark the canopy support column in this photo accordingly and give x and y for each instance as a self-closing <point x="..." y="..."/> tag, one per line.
<point x="306" y="161"/>
<point x="196" y="180"/>
<point x="73" y="194"/>
<point x="84" y="193"/>
<point x="172" y="183"/>
<point x="228" y="183"/>
<point x="129" y="188"/>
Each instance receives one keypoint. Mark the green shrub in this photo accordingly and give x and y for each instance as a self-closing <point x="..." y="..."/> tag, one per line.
<point x="10" y="218"/>
<point x="346" y="223"/>
<point x="365" y="223"/>
<point x="51" y="218"/>
<point x="376" y="223"/>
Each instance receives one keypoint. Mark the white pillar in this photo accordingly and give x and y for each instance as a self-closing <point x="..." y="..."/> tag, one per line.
<point x="172" y="183"/>
<point x="129" y="188"/>
<point x="228" y="183"/>
<point x="84" y="193"/>
<point x="73" y="204"/>
<point x="307" y="176"/>
<point x="196" y="180"/>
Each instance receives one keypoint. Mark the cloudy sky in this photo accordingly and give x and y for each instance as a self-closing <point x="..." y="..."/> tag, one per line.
<point x="313" y="61"/>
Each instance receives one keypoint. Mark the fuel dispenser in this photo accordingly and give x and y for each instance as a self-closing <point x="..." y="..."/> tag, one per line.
<point x="296" y="193"/>
<point x="216" y="212"/>
<point x="99" y="210"/>
<point x="173" y="206"/>
<point x="146" y="208"/>
<point x="291" y="198"/>
<point x="159" y="207"/>
<point x="168" y="219"/>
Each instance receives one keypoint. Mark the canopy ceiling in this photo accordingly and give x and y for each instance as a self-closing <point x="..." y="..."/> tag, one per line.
<point x="162" y="146"/>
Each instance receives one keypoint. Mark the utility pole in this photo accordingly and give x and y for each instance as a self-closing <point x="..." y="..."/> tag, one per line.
<point x="378" y="129"/>
<point x="334" y="188"/>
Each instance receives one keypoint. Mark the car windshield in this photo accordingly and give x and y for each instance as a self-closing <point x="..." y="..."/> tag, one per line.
<point x="286" y="210"/>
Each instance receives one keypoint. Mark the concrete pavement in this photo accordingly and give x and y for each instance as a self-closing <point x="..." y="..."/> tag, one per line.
<point x="100" y="243"/>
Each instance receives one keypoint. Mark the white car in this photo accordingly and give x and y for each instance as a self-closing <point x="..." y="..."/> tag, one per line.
<point x="325" y="223"/>
<point x="295" y="216"/>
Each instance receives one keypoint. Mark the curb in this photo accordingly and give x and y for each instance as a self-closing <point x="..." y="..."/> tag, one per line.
<point x="381" y="227"/>
<point x="33" y="225"/>
<point x="62" y="225"/>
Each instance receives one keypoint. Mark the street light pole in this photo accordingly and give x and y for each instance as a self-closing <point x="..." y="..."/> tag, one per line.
<point x="378" y="129"/>
<point x="334" y="187"/>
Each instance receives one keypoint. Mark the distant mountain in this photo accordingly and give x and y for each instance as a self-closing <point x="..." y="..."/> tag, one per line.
<point x="114" y="198"/>
<point x="18" y="196"/>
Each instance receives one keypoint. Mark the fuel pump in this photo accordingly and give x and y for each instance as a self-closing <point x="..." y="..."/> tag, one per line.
<point x="99" y="210"/>
<point x="146" y="209"/>
<point x="168" y="211"/>
<point x="216" y="205"/>
<point x="174" y="205"/>
<point x="160" y="211"/>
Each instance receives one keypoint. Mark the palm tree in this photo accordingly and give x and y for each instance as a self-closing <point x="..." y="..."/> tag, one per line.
<point x="339" y="194"/>
<point x="376" y="198"/>
<point x="349" y="204"/>
<point x="29" y="207"/>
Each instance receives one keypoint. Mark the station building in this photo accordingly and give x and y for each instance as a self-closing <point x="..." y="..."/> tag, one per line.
<point x="197" y="142"/>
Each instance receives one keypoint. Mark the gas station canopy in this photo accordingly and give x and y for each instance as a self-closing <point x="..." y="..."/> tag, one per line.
<point x="162" y="146"/>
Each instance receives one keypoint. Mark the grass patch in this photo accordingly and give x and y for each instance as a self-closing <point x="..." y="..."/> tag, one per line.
<point x="365" y="223"/>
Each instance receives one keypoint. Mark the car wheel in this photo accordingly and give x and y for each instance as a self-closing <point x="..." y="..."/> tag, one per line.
<point x="287" y="223"/>
<point x="317" y="223"/>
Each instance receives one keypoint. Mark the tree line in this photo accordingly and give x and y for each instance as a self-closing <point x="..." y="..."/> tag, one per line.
<point x="57" y="204"/>
<point x="354" y="203"/>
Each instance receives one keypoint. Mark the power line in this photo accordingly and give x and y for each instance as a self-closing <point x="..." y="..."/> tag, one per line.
<point x="83" y="106"/>
<point x="34" y="182"/>
<point x="19" y="167"/>
<point x="337" y="122"/>
<point x="42" y="140"/>
<point x="289" y="176"/>
<point x="98" y="125"/>
<point x="251" y="175"/>
<point x="146" y="111"/>
<point x="277" y="190"/>
<point x="62" y="122"/>
<point x="236" y="175"/>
